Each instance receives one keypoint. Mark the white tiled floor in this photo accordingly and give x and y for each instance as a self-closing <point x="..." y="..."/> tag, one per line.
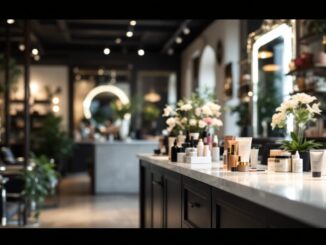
<point x="77" y="208"/>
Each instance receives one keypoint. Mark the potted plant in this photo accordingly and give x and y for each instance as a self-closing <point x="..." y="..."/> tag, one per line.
<point x="150" y="113"/>
<point x="54" y="142"/>
<point x="303" y="108"/>
<point x="40" y="181"/>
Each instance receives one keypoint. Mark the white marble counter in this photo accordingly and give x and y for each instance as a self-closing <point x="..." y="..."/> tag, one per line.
<point x="296" y="195"/>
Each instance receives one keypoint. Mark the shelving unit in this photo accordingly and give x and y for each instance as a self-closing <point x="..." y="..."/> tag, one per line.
<point x="316" y="70"/>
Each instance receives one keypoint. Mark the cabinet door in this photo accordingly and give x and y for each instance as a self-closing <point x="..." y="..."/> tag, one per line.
<point x="145" y="198"/>
<point x="230" y="211"/>
<point x="157" y="197"/>
<point x="196" y="204"/>
<point x="276" y="220"/>
<point x="172" y="204"/>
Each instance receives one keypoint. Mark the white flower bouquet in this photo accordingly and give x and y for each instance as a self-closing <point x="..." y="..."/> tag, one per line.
<point x="196" y="114"/>
<point x="304" y="109"/>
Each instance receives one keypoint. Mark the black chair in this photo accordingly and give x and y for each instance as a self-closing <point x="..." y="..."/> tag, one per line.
<point x="9" y="158"/>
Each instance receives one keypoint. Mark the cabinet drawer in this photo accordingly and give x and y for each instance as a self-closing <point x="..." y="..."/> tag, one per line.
<point x="196" y="204"/>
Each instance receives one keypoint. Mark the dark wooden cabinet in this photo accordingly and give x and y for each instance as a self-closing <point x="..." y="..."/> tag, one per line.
<point x="230" y="211"/>
<point x="145" y="197"/>
<point x="172" y="197"/>
<point x="196" y="204"/>
<point x="157" y="197"/>
<point x="171" y="200"/>
<point x="160" y="197"/>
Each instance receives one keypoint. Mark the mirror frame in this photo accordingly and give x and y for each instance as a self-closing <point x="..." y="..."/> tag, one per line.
<point x="269" y="31"/>
<point x="99" y="90"/>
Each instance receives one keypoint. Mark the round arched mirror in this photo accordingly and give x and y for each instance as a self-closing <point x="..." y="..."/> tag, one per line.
<point x="96" y="104"/>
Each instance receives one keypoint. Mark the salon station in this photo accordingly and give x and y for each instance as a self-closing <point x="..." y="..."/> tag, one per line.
<point x="163" y="123"/>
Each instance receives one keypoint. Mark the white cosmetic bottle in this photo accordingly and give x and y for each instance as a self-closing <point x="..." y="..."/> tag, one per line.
<point x="297" y="164"/>
<point x="215" y="150"/>
<point x="200" y="148"/>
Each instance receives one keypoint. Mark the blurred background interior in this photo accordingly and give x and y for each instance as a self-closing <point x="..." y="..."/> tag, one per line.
<point x="97" y="89"/>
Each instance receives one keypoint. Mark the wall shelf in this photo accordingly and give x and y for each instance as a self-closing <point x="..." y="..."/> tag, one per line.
<point x="318" y="70"/>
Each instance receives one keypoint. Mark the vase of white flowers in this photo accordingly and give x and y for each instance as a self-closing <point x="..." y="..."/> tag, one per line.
<point x="195" y="115"/>
<point x="304" y="109"/>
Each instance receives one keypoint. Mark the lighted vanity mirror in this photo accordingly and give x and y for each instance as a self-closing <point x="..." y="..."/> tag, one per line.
<point x="96" y="104"/>
<point x="271" y="54"/>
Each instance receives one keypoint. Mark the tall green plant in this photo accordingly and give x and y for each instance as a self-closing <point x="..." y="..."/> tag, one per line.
<point x="40" y="181"/>
<point x="51" y="140"/>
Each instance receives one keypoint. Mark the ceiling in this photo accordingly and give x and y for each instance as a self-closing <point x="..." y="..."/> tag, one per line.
<point x="52" y="37"/>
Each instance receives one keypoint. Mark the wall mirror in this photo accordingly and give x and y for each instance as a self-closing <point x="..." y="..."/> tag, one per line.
<point x="94" y="92"/>
<point x="271" y="52"/>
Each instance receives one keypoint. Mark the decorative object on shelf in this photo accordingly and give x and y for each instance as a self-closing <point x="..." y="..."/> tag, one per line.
<point x="195" y="115"/>
<point x="304" y="109"/>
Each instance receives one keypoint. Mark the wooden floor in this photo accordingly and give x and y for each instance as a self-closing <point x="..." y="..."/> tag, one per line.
<point x="77" y="208"/>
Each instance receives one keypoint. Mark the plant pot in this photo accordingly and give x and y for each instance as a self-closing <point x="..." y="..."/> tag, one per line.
<point x="304" y="155"/>
<point x="124" y="129"/>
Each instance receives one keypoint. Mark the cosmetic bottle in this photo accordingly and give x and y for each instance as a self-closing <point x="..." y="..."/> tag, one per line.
<point x="215" y="150"/>
<point x="233" y="157"/>
<point x="297" y="163"/>
<point x="174" y="152"/>
<point x="209" y="140"/>
<point x="207" y="152"/>
<point x="200" y="148"/>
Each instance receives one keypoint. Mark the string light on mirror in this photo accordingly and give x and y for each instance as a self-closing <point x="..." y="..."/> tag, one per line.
<point x="35" y="51"/>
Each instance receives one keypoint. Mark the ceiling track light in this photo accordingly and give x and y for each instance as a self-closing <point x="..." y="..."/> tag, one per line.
<point x="10" y="21"/>
<point x="141" y="52"/>
<point x="106" y="51"/>
<point x="129" y="33"/>
<point x="186" y="30"/>
<point x="178" y="40"/>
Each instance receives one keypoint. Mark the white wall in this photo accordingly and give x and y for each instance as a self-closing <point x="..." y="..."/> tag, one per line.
<point x="228" y="31"/>
<point x="44" y="75"/>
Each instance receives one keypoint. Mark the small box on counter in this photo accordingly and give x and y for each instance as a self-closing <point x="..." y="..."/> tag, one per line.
<point x="196" y="159"/>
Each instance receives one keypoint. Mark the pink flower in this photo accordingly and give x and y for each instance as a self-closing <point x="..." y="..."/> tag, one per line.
<point x="208" y="120"/>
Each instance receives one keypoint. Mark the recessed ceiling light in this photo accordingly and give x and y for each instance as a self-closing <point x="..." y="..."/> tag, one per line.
<point x="170" y="51"/>
<point x="10" y="21"/>
<point x="118" y="40"/>
<point x="133" y="22"/>
<point x="21" y="47"/>
<point x="178" y="40"/>
<point x="35" y="51"/>
<point x="186" y="30"/>
<point x="106" y="51"/>
<point x="129" y="34"/>
<point x="141" y="52"/>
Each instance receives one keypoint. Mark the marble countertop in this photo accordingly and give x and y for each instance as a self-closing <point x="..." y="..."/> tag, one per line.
<point x="120" y="142"/>
<point x="297" y="195"/>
